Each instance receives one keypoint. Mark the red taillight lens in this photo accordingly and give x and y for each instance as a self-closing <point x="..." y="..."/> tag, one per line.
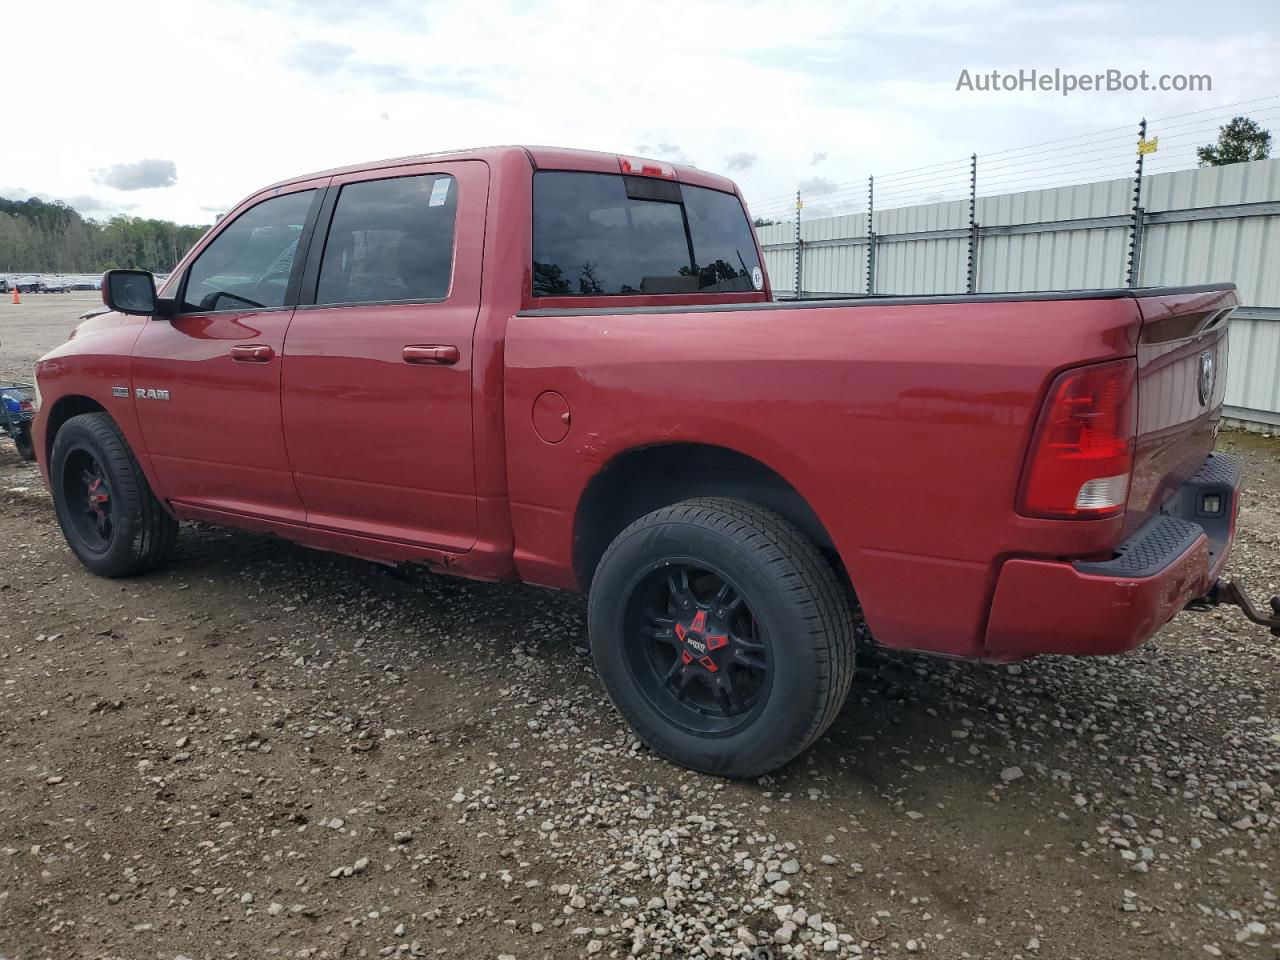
<point x="1082" y="453"/>
<point x="646" y="168"/>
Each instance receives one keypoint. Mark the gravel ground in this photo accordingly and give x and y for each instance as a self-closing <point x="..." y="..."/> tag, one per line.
<point x="263" y="751"/>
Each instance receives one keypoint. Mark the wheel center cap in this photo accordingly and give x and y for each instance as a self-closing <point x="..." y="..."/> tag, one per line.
<point x="97" y="496"/>
<point x="700" y="640"/>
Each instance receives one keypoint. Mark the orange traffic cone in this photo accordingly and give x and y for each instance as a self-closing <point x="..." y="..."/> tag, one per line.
<point x="16" y="298"/>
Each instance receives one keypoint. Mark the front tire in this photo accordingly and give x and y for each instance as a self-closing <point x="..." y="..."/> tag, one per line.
<point x="111" y="520"/>
<point x="721" y="635"/>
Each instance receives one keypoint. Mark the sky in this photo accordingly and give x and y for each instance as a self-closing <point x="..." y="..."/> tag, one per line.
<point x="178" y="110"/>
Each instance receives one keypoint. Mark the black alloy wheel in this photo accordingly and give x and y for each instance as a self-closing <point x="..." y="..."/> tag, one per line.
<point x="722" y="635"/>
<point x="111" y="520"/>
<point x="697" y="651"/>
<point x="87" y="489"/>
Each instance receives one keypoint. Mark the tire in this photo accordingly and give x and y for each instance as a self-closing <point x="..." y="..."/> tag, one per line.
<point x="721" y="635"/>
<point x="111" y="520"/>
<point x="22" y="440"/>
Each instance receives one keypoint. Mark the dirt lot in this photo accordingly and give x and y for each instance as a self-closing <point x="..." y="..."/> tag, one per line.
<point x="268" y="752"/>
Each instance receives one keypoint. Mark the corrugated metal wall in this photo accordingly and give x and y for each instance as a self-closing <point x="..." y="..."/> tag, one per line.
<point x="1187" y="238"/>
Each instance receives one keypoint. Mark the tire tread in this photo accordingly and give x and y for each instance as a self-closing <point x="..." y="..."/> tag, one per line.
<point x="154" y="530"/>
<point x="803" y="573"/>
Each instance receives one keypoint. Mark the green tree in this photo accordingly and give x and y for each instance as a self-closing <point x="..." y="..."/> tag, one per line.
<point x="38" y="236"/>
<point x="1238" y="141"/>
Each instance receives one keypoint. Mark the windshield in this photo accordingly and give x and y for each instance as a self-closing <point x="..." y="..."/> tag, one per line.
<point x="600" y="234"/>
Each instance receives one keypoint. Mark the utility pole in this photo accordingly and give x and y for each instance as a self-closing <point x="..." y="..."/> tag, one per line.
<point x="1135" y="229"/>
<point x="871" y="236"/>
<point x="799" y="264"/>
<point x="971" y="285"/>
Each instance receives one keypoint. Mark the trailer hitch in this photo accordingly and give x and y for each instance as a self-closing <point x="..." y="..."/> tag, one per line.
<point x="1229" y="592"/>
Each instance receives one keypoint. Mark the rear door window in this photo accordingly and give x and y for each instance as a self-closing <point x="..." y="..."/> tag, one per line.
<point x="600" y="234"/>
<point x="390" y="240"/>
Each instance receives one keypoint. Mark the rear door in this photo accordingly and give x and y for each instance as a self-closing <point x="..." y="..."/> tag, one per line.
<point x="376" y="392"/>
<point x="207" y="382"/>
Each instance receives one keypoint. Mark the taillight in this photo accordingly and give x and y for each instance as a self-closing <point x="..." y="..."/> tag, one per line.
<point x="637" y="167"/>
<point x="1082" y="453"/>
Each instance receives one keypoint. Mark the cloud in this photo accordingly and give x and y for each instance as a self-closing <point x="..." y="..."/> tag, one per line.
<point x="308" y="81"/>
<point x="670" y="152"/>
<point x="740" y="161"/>
<point x="91" y="207"/>
<point x="319" y="57"/>
<point x="323" y="59"/>
<point x="139" y="175"/>
<point x="817" y="159"/>
<point x="817" y="186"/>
<point x="399" y="79"/>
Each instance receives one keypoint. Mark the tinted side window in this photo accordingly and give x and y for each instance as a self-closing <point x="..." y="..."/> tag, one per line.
<point x="390" y="240"/>
<point x="248" y="264"/>
<point x="599" y="233"/>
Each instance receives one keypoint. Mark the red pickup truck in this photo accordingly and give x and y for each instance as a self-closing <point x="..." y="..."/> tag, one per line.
<point x="567" y="368"/>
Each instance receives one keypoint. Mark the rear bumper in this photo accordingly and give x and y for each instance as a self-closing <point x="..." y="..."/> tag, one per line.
<point x="1100" y="607"/>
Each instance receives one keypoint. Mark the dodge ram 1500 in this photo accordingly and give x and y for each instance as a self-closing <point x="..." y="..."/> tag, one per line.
<point x="567" y="368"/>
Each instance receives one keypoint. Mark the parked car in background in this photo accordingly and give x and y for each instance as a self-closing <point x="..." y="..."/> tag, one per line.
<point x="55" y="285"/>
<point x="565" y="367"/>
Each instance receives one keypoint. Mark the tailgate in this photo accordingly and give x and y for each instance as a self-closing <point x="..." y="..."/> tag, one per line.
<point x="1182" y="373"/>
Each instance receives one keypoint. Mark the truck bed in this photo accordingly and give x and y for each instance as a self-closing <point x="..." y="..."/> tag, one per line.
<point x="903" y="422"/>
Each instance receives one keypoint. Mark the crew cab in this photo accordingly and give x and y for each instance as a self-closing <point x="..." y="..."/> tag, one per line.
<point x="567" y="368"/>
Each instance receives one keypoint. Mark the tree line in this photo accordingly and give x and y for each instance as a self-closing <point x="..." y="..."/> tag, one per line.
<point x="38" y="236"/>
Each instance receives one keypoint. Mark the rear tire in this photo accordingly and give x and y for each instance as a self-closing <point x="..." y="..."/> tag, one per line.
<point x="111" y="520"/>
<point x="721" y="635"/>
<point x="22" y="440"/>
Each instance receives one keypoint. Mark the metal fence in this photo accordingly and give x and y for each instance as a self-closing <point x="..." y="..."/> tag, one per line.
<point x="1145" y="229"/>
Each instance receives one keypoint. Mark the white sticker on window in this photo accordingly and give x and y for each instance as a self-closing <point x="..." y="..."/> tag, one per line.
<point x="439" y="192"/>
<point x="757" y="278"/>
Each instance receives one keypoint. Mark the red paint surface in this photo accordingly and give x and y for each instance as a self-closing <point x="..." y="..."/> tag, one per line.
<point x="1043" y="607"/>
<point x="904" y="426"/>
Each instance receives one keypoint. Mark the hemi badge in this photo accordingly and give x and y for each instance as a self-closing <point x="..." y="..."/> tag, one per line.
<point x="120" y="392"/>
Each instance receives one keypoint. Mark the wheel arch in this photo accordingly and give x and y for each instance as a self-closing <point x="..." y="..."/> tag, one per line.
<point x="63" y="409"/>
<point x="642" y="479"/>
<point x="73" y="405"/>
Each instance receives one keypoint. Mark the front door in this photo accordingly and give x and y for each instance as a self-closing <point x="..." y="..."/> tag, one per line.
<point x="376" y="393"/>
<point x="207" y="382"/>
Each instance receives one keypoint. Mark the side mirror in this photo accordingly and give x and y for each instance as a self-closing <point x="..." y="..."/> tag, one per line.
<point x="130" y="291"/>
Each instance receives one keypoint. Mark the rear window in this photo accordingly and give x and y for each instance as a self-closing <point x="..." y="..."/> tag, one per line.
<point x="600" y="234"/>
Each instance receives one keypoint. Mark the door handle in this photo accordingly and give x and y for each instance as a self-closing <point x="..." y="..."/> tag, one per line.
<point x="430" y="353"/>
<point x="252" y="353"/>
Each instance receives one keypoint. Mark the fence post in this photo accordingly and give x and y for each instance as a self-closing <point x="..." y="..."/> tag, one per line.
<point x="799" y="264"/>
<point x="871" y="236"/>
<point x="1135" y="229"/>
<point x="971" y="284"/>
